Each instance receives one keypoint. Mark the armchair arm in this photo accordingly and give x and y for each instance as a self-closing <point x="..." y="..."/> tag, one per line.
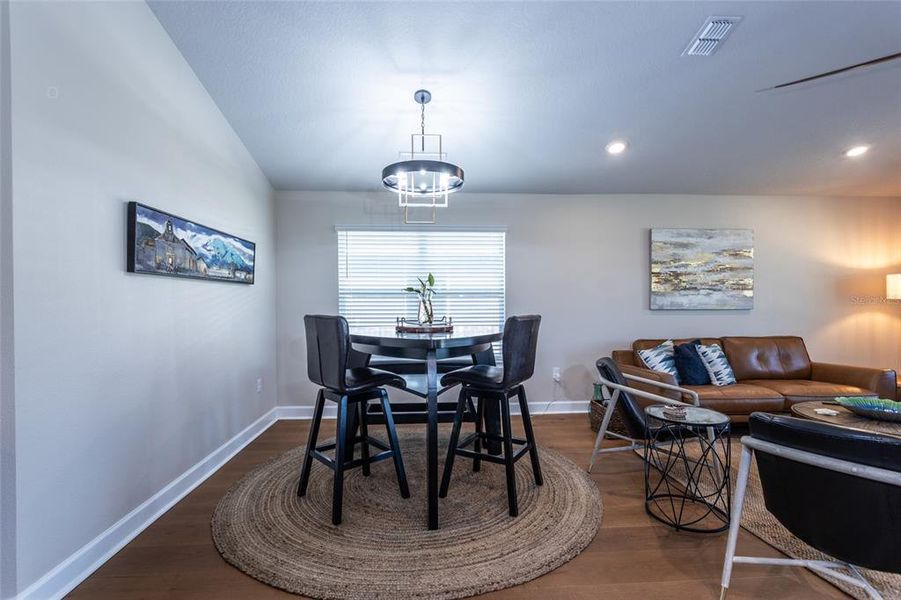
<point x="881" y="381"/>
<point x="640" y="393"/>
<point x="641" y="386"/>
<point x="695" y="399"/>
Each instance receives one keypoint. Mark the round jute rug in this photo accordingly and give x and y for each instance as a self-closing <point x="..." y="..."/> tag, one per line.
<point x="383" y="549"/>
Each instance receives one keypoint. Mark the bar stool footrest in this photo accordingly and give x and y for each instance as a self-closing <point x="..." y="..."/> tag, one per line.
<point x="461" y="450"/>
<point x="319" y="453"/>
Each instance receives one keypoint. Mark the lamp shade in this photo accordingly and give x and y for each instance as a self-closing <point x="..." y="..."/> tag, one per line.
<point x="893" y="286"/>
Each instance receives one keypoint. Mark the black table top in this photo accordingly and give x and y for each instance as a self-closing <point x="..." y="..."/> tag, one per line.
<point x="462" y="336"/>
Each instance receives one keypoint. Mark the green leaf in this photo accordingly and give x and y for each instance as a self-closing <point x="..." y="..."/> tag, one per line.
<point x="409" y="289"/>
<point x="431" y="279"/>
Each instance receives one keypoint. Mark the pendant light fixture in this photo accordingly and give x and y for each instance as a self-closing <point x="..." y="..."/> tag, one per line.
<point x="423" y="179"/>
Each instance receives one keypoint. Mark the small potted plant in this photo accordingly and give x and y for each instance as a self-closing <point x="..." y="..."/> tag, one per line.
<point x="424" y="291"/>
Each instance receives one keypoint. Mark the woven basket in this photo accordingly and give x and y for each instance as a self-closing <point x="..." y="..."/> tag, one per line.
<point x="596" y="416"/>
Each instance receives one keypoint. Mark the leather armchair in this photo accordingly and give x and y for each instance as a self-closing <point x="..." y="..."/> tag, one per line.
<point x="622" y="389"/>
<point x="836" y="489"/>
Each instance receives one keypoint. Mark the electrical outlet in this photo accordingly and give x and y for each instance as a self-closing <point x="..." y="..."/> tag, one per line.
<point x="556" y="374"/>
<point x="259" y="384"/>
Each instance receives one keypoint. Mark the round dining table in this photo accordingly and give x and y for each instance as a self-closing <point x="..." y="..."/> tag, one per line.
<point x="430" y="348"/>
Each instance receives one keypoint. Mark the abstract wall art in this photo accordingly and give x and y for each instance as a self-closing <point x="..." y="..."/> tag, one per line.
<point x="160" y="243"/>
<point x="702" y="269"/>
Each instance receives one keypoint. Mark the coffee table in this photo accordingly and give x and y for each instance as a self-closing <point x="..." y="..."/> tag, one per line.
<point x="845" y="418"/>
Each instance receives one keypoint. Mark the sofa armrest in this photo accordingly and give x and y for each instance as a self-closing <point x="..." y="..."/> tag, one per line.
<point x="623" y="357"/>
<point x="881" y="381"/>
<point x="660" y="376"/>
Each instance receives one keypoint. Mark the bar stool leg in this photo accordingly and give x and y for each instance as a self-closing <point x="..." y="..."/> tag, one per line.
<point x="480" y="420"/>
<point x="362" y="407"/>
<point x="452" y="445"/>
<point x="311" y="445"/>
<point x="340" y="450"/>
<point x="508" y="457"/>
<point x="395" y="447"/>
<point x="530" y="435"/>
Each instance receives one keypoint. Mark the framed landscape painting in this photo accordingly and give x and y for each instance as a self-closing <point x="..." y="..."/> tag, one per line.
<point x="160" y="243"/>
<point x="702" y="269"/>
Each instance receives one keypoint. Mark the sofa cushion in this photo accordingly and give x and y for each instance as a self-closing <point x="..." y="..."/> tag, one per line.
<point x="689" y="364"/>
<point x="805" y="390"/>
<point x="775" y="357"/>
<point x="644" y="344"/>
<point x="717" y="365"/>
<point x="738" y="399"/>
<point x="660" y="358"/>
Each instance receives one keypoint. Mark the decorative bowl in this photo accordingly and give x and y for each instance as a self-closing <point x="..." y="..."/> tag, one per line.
<point x="674" y="411"/>
<point x="873" y="408"/>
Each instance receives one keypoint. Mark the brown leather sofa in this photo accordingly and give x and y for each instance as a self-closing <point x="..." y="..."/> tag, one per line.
<point x="773" y="373"/>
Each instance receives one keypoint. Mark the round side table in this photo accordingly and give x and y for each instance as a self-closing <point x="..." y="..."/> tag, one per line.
<point x="687" y="473"/>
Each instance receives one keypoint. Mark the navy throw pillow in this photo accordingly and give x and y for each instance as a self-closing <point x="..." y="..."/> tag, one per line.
<point x="690" y="365"/>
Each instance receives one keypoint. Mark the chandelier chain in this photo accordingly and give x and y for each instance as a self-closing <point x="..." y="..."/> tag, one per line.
<point x="422" y="125"/>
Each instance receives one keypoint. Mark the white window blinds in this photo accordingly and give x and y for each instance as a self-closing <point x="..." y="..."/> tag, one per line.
<point x="374" y="266"/>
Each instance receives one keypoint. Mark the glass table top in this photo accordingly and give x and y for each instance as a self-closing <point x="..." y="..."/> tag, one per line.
<point x="694" y="415"/>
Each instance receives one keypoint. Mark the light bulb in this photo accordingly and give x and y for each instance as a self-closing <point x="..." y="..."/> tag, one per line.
<point x="616" y="147"/>
<point x="856" y="151"/>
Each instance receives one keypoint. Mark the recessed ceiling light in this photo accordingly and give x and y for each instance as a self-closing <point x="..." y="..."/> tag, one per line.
<point x="616" y="147"/>
<point x="856" y="151"/>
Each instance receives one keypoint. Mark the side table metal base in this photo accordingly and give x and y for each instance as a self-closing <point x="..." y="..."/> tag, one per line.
<point x="687" y="475"/>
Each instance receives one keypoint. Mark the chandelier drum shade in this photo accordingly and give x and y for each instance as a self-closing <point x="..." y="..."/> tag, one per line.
<point x="423" y="178"/>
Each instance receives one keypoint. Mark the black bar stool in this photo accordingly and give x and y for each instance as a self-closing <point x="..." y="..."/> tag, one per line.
<point x="494" y="384"/>
<point x="328" y="348"/>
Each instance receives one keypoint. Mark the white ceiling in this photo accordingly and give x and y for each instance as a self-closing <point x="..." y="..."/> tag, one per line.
<point x="528" y="94"/>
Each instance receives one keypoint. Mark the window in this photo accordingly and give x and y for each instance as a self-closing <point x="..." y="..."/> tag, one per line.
<point x="374" y="266"/>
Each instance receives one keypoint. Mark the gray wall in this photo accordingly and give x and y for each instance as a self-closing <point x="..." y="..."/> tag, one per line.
<point x="582" y="262"/>
<point x="7" y="365"/>
<point x="123" y="381"/>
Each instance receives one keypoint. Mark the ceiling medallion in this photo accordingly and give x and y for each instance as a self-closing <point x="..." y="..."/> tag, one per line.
<point x="422" y="179"/>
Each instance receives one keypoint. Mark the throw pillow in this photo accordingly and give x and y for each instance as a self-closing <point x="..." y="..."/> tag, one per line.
<point x="661" y="358"/>
<point x="717" y="364"/>
<point x="689" y="364"/>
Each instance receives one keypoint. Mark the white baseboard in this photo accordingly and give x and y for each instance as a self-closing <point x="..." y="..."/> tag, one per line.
<point x="554" y="407"/>
<point x="63" y="578"/>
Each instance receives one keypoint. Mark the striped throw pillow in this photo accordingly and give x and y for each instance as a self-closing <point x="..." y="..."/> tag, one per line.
<point x="661" y="358"/>
<point x="717" y="364"/>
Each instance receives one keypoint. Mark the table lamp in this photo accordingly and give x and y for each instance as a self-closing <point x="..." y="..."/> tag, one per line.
<point x="893" y="286"/>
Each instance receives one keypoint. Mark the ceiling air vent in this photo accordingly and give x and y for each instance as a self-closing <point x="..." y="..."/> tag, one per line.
<point x="712" y="34"/>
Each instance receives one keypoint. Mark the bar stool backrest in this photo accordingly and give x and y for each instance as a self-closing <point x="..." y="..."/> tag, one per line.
<point x="328" y="345"/>
<point x="633" y="414"/>
<point x="852" y="518"/>
<point x="520" y="347"/>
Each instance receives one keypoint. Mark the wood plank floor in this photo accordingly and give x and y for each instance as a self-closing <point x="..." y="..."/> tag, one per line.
<point x="632" y="556"/>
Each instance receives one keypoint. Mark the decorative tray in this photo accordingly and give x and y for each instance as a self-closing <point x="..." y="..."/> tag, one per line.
<point x="872" y="408"/>
<point x="442" y="325"/>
